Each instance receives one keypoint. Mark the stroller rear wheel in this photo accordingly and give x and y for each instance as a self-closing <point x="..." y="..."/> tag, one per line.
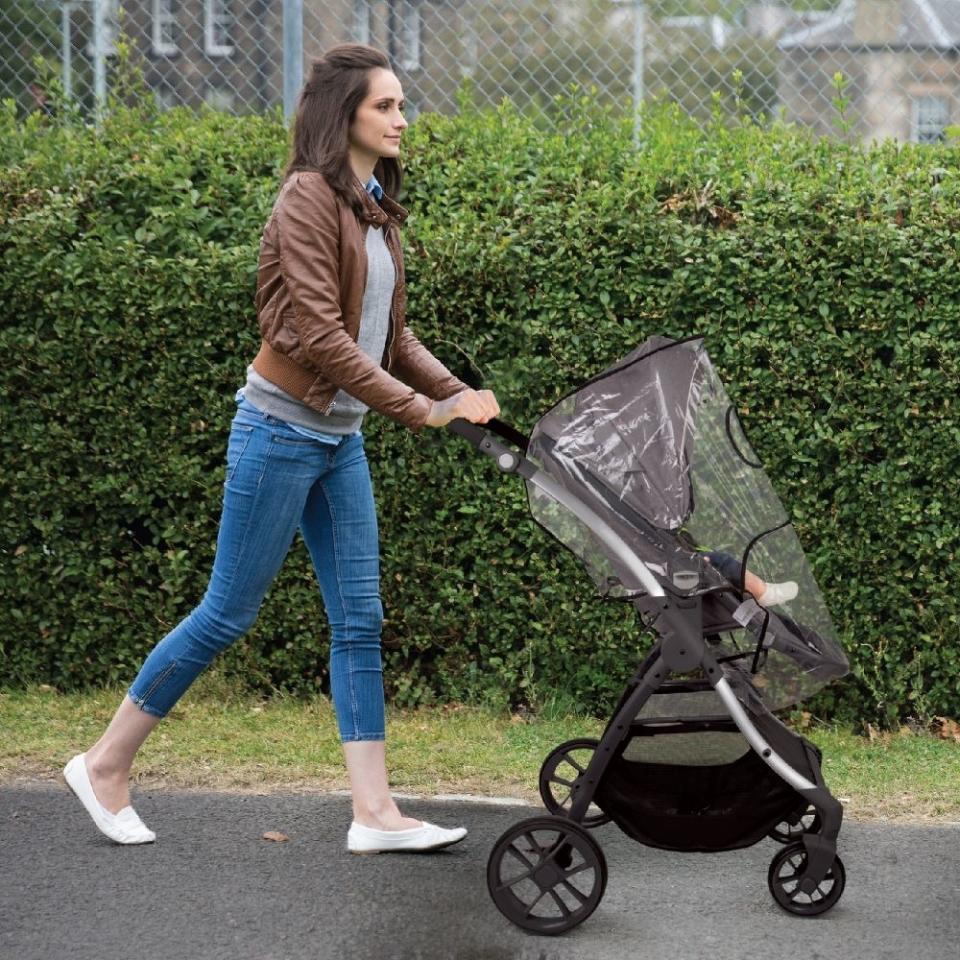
<point x="789" y="830"/>
<point x="787" y="868"/>
<point x="546" y="874"/>
<point x="560" y="771"/>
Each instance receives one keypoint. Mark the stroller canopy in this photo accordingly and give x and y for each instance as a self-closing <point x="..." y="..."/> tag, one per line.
<point x="655" y="448"/>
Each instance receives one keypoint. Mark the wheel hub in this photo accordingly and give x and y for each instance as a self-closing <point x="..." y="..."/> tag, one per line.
<point x="547" y="877"/>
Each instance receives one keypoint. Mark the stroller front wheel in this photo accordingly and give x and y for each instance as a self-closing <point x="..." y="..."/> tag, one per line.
<point x="783" y="879"/>
<point x="560" y="771"/>
<point x="793" y="829"/>
<point x="546" y="874"/>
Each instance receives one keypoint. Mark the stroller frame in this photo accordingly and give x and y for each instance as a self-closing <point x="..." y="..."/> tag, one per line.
<point x="681" y="648"/>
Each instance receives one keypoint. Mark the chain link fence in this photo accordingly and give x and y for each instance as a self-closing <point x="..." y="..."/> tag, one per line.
<point x="898" y="58"/>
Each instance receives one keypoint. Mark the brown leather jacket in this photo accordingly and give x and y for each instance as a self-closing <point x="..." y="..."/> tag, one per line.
<point x="310" y="284"/>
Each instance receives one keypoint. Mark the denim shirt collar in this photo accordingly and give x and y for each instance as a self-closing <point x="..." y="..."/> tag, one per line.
<point x="372" y="186"/>
<point x="378" y="211"/>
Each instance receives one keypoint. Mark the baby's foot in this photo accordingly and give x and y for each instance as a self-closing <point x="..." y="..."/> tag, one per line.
<point x="778" y="593"/>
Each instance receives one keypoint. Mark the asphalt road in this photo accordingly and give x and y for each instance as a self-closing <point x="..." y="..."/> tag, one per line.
<point x="211" y="888"/>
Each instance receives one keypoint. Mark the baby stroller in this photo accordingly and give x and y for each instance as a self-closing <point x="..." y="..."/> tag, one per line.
<point x="640" y="472"/>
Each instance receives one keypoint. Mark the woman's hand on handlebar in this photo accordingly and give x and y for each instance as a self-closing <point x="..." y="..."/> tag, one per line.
<point x="477" y="406"/>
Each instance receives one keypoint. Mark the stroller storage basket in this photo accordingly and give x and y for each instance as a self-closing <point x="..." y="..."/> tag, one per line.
<point x="698" y="807"/>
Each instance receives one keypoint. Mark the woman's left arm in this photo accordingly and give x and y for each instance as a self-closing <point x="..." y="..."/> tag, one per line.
<point x="417" y="367"/>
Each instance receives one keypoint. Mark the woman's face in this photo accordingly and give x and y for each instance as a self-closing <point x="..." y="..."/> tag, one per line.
<point x="378" y="123"/>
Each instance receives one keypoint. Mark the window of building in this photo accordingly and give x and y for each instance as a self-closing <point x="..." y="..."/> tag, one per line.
<point x="166" y="97"/>
<point x="411" y="28"/>
<point x="111" y="29"/>
<point x="471" y="47"/>
<point x="218" y="24"/>
<point x="930" y="115"/>
<point x="362" y="13"/>
<point x="164" y="27"/>
<point x="220" y="97"/>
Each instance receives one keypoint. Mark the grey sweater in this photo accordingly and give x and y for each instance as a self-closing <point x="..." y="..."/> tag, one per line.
<point x="346" y="412"/>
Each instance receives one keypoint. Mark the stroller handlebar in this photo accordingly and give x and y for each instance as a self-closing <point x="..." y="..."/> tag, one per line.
<point x="474" y="431"/>
<point x="479" y="436"/>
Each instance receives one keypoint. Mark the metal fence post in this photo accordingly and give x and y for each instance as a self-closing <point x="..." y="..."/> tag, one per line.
<point x="292" y="55"/>
<point x="66" y="49"/>
<point x="99" y="59"/>
<point x="639" y="39"/>
<point x="639" y="18"/>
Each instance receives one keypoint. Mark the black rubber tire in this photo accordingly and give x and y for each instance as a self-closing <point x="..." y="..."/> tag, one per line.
<point x="555" y="790"/>
<point x="536" y="861"/>
<point x="787" y="832"/>
<point x="785" y="889"/>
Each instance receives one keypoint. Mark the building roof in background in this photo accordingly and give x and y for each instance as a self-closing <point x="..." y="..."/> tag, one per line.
<point x="923" y="24"/>
<point x="716" y="28"/>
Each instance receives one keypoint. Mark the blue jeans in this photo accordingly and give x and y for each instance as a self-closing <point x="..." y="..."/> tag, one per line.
<point x="279" y="480"/>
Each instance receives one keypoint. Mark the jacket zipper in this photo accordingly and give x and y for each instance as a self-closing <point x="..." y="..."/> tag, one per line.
<point x="391" y="320"/>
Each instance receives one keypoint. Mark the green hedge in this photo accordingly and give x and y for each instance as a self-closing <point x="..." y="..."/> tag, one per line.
<point x="824" y="276"/>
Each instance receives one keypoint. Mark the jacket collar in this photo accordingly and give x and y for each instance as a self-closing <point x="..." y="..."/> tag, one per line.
<point x="380" y="213"/>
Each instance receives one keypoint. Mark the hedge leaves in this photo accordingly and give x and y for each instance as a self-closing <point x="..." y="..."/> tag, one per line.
<point x="824" y="276"/>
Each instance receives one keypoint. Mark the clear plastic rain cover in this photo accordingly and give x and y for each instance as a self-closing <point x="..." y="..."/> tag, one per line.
<point x="656" y="450"/>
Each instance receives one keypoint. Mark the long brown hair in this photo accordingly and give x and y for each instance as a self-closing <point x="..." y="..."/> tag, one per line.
<point x="339" y="82"/>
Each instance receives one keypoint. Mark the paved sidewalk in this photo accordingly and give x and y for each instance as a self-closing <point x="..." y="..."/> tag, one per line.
<point x="211" y="888"/>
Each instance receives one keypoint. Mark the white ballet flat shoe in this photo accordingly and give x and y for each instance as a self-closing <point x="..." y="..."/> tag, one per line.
<point x="122" y="827"/>
<point x="422" y="839"/>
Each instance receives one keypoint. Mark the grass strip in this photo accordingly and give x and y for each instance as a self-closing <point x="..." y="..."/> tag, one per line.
<point x="219" y="739"/>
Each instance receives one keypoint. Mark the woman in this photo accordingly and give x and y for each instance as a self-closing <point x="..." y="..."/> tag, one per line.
<point x="330" y="302"/>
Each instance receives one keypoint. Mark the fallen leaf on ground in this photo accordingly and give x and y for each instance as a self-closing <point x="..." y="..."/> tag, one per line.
<point x="274" y="835"/>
